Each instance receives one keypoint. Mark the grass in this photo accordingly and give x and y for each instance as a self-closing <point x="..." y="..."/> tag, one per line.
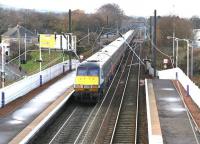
<point x="33" y="66"/>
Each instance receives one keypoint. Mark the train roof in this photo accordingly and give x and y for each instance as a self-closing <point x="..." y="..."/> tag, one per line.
<point x="89" y="64"/>
<point x="104" y="54"/>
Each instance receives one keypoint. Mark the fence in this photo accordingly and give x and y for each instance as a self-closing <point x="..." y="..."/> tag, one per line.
<point x="191" y="88"/>
<point x="22" y="87"/>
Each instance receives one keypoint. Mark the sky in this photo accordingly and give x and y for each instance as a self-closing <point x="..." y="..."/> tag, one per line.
<point x="145" y="8"/>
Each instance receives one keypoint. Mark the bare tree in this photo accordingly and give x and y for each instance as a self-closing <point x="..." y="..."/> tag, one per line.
<point x="113" y="12"/>
<point x="181" y="26"/>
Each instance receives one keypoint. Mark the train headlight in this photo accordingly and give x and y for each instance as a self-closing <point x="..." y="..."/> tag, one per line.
<point x="94" y="86"/>
<point x="87" y="86"/>
<point x="78" y="86"/>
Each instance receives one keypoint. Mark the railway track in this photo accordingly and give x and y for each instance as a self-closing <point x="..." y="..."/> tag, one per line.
<point x="66" y="124"/>
<point x="125" y="130"/>
<point x="142" y="131"/>
<point x="71" y="127"/>
<point x="113" y="120"/>
<point x="90" y="129"/>
<point x="116" y="119"/>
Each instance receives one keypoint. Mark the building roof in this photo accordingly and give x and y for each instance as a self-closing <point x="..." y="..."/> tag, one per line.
<point x="13" y="32"/>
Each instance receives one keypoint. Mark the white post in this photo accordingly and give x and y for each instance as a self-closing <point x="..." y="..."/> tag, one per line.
<point x="40" y="60"/>
<point x="173" y="47"/>
<point x="192" y="60"/>
<point x="19" y="48"/>
<point x="2" y="65"/>
<point x="176" y="52"/>
<point x="25" y="48"/>
<point x="187" y="57"/>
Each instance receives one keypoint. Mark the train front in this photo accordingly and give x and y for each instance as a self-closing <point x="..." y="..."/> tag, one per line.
<point x="87" y="82"/>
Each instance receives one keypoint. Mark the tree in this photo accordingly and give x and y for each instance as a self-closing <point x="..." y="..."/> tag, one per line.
<point x="182" y="28"/>
<point x="114" y="14"/>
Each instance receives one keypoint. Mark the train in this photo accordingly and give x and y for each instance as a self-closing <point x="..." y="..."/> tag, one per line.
<point x="94" y="73"/>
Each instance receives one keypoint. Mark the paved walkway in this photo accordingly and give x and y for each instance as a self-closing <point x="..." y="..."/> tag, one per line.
<point x="175" y="125"/>
<point x="12" y="124"/>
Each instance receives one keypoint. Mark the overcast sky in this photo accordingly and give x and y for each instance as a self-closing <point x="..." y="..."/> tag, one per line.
<point x="182" y="8"/>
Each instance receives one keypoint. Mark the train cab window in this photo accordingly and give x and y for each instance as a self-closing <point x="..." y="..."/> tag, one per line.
<point x="86" y="71"/>
<point x="82" y="71"/>
<point x="93" y="72"/>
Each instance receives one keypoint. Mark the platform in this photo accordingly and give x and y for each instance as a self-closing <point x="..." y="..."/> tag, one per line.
<point x="25" y="117"/>
<point x="166" y="112"/>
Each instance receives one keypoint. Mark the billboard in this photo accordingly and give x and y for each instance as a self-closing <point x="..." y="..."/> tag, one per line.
<point x="57" y="41"/>
<point x="47" y="40"/>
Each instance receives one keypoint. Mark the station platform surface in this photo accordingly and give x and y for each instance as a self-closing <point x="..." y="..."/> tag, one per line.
<point x="14" y="122"/>
<point x="168" y="120"/>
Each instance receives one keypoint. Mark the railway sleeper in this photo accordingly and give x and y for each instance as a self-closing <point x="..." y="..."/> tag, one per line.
<point x="88" y="97"/>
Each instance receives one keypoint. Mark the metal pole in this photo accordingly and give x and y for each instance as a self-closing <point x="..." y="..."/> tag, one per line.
<point x="155" y="44"/>
<point x="187" y="57"/>
<point x="192" y="60"/>
<point x="151" y="36"/>
<point x="176" y="52"/>
<point x="40" y="59"/>
<point x="62" y="49"/>
<point x="2" y="66"/>
<point x="25" y="48"/>
<point x="70" y="39"/>
<point x="173" y="48"/>
<point x="107" y="24"/>
<point x="19" y="47"/>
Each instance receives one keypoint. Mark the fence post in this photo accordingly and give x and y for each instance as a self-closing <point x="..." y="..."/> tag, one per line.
<point x="63" y="68"/>
<point x="3" y="99"/>
<point x="176" y="75"/>
<point x="40" y="80"/>
<point x="188" y="90"/>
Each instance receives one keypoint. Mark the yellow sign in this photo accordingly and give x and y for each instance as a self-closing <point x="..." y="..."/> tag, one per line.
<point x="87" y="80"/>
<point x="47" y="41"/>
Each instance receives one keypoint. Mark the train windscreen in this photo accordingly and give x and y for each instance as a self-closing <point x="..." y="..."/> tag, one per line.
<point x="87" y="71"/>
<point x="82" y="71"/>
<point x="93" y="72"/>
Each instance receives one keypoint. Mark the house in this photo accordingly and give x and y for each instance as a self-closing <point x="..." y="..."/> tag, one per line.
<point x="19" y="32"/>
<point x="15" y="37"/>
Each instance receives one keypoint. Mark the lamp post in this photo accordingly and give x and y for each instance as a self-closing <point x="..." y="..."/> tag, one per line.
<point x="172" y="37"/>
<point x="176" y="52"/>
<point x="173" y="47"/>
<point x="191" y="63"/>
<point x="187" y="41"/>
<point x="187" y="56"/>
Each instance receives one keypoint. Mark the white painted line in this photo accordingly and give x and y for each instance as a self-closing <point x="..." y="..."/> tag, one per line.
<point x="148" y="111"/>
<point x="153" y="138"/>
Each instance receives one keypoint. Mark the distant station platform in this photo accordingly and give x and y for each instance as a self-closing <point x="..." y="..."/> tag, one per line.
<point x="21" y="123"/>
<point x="168" y="120"/>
